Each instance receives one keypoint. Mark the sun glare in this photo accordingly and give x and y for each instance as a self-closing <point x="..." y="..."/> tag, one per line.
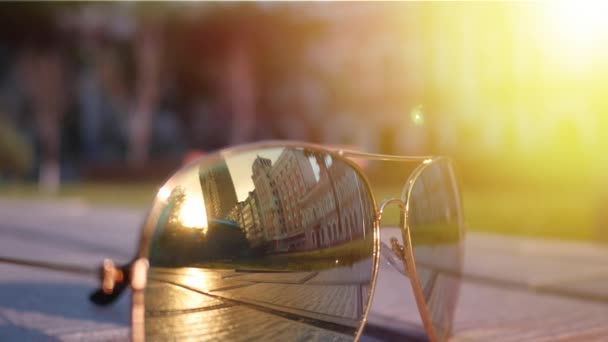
<point x="193" y="215"/>
<point x="579" y="27"/>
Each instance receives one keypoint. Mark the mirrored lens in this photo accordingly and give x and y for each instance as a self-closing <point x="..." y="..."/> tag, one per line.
<point x="271" y="244"/>
<point x="436" y="231"/>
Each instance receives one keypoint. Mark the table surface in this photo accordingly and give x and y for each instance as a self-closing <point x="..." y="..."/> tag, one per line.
<point x="514" y="289"/>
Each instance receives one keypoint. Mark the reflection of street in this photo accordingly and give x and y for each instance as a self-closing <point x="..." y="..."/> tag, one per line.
<point x="228" y="304"/>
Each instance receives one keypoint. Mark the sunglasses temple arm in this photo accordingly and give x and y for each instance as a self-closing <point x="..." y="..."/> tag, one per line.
<point x="101" y="296"/>
<point x="114" y="280"/>
<point x="49" y="266"/>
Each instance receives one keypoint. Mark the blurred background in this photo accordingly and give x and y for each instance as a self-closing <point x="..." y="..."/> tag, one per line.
<point x="99" y="102"/>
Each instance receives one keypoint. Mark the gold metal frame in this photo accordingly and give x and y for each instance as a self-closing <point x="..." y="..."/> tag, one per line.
<point x="140" y="266"/>
<point x="409" y="262"/>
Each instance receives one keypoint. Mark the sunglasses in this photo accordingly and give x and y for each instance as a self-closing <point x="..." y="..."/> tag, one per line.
<point x="282" y="241"/>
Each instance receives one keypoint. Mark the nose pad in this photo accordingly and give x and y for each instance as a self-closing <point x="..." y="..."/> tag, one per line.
<point x="393" y="260"/>
<point x="397" y="249"/>
<point x="394" y="303"/>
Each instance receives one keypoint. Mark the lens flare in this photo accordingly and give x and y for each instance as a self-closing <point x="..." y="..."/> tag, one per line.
<point x="417" y="116"/>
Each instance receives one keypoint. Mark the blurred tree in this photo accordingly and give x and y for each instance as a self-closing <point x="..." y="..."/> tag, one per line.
<point x="230" y="60"/>
<point x="164" y="248"/>
<point x="175" y="203"/>
<point x="16" y="155"/>
<point x="39" y="52"/>
<point x="43" y="76"/>
<point x="148" y="51"/>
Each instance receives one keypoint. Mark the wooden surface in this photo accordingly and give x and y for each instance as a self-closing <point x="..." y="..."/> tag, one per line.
<point x="513" y="290"/>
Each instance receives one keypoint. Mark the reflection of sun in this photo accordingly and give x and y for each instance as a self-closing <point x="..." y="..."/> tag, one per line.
<point x="163" y="193"/>
<point x="197" y="279"/>
<point x="192" y="213"/>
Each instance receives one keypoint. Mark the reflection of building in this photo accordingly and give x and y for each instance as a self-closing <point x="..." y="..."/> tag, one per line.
<point x="236" y="214"/>
<point x="218" y="190"/>
<point x="292" y="176"/>
<point x="251" y="223"/>
<point x="268" y="200"/>
<point x="291" y="209"/>
<point x="327" y="224"/>
<point x="247" y="215"/>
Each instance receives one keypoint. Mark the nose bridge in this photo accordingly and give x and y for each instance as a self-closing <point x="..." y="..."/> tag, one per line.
<point x="389" y="201"/>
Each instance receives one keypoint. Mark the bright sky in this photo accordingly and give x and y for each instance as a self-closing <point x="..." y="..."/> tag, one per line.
<point x="240" y="169"/>
<point x="576" y="29"/>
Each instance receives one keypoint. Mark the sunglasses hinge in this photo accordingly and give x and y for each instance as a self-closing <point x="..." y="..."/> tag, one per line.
<point x="110" y="276"/>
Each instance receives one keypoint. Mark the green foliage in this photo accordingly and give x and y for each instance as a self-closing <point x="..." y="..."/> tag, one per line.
<point x="134" y="196"/>
<point x="560" y="213"/>
<point x="176" y="201"/>
<point x="557" y="214"/>
<point x="567" y="212"/>
<point x="16" y="154"/>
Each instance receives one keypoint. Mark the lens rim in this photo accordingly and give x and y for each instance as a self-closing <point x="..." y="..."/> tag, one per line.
<point x="409" y="262"/>
<point x="147" y="229"/>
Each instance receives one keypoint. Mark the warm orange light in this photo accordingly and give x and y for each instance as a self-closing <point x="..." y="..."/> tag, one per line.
<point x="193" y="215"/>
<point x="417" y="116"/>
<point x="198" y="279"/>
<point x="163" y="193"/>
